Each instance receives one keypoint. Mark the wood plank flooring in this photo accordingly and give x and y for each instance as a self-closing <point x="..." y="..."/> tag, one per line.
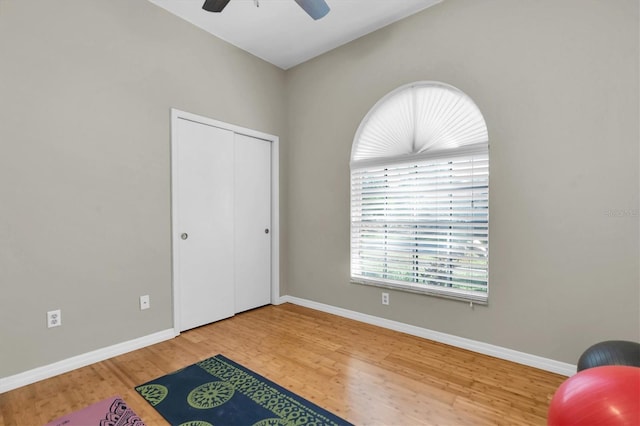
<point x="365" y="374"/>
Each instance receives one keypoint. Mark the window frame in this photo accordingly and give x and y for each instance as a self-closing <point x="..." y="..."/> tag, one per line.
<point x="478" y="150"/>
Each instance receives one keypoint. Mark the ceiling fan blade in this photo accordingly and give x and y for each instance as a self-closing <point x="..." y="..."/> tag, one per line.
<point x="215" y="5"/>
<point x="315" y="8"/>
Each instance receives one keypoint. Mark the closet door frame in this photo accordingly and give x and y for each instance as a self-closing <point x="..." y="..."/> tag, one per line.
<point x="275" y="203"/>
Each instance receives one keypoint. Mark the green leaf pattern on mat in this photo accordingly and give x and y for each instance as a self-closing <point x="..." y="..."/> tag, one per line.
<point x="210" y="395"/>
<point x="290" y="411"/>
<point x="270" y="422"/>
<point x="154" y="394"/>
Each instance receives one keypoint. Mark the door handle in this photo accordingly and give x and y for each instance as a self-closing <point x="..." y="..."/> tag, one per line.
<point x="184" y="236"/>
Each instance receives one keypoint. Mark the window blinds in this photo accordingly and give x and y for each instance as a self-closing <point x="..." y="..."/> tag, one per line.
<point x="419" y="118"/>
<point x="423" y="225"/>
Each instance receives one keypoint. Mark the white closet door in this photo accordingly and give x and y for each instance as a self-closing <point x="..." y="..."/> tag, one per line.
<point x="253" y="222"/>
<point x="204" y="231"/>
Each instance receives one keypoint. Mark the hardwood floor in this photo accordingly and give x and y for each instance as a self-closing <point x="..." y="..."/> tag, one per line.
<point x="365" y="374"/>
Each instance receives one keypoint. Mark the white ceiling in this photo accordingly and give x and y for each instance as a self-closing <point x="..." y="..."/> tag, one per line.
<point x="280" y="32"/>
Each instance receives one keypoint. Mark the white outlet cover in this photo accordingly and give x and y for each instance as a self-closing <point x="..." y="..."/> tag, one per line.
<point x="144" y="302"/>
<point x="54" y="318"/>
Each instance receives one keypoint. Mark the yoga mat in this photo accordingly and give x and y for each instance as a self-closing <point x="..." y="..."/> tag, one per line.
<point x="108" y="412"/>
<point x="219" y="391"/>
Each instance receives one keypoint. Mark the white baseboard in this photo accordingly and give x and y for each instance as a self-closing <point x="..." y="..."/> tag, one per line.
<point x="47" y="371"/>
<point x="460" y="342"/>
<point x="60" y="367"/>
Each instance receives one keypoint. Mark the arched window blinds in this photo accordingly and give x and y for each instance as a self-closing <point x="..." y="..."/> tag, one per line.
<point x="420" y="194"/>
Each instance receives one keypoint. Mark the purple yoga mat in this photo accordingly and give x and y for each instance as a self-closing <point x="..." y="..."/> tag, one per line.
<point x="109" y="412"/>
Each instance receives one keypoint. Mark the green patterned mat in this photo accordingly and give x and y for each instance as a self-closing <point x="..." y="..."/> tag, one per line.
<point x="218" y="391"/>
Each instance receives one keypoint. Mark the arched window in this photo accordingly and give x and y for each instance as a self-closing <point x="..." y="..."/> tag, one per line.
<point x="420" y="194"/>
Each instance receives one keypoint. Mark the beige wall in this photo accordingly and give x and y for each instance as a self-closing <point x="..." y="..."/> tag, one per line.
<point x="85" y="93"/>
<point x="557" y="82"/>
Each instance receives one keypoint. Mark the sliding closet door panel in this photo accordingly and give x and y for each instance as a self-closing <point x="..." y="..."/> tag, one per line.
<point x="205" y="231"/>
<point x="253" y="222"/>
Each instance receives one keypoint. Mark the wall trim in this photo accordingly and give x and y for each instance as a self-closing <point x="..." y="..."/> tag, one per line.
<point x="69" y="364"/>
<point x="484" y="348"/>
<point x="40" y="373"/>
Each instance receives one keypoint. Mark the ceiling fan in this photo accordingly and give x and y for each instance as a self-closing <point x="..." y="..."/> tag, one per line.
<point x="314" y="8"/>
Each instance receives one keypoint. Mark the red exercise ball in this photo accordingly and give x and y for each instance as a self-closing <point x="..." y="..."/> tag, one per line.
<point x="607" y="395"/>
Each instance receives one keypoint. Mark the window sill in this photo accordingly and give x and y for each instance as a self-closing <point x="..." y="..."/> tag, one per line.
<point x="451" y="295"/>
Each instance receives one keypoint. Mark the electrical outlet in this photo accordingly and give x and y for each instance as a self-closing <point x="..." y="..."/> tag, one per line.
<point x="54" y="318"/>
<point x="385" y="298"/>
<point x="144" y="302"/>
